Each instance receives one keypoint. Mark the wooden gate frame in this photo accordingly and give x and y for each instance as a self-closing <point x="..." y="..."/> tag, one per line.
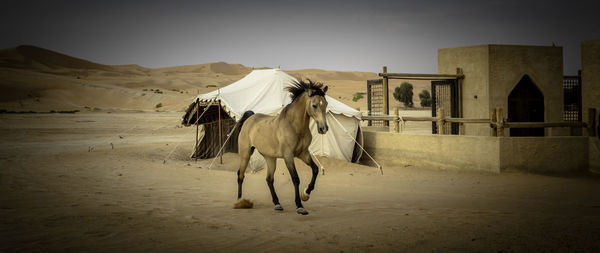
<point x="458" y="77"/>
<point x="454" y="103"/>
<point x="370" y="84"/>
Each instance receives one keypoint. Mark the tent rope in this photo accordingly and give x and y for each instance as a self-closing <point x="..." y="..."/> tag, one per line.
<point x="225" y="143"/>
<point x="361" y="147"/>
<point x="198" y="119"/>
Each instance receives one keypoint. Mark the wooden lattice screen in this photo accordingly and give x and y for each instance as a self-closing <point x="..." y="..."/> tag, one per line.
<point x="375" y="100"/>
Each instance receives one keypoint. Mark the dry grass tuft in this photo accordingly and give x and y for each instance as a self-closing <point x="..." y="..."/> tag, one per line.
<point x="243" y="203"/>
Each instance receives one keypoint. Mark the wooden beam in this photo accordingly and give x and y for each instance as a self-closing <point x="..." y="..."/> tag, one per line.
<point x="420" y="76"/>
<point x="385" y="91"/>
<point x="461" y="120"/>
<point x="500" y="122"/>
<point x="413" y="118"/>
<point x="430" y="119"/>
<point x="493" y="131"/>
<point x="377" y="117"/>
<point x="592" y="122"/>
<point x="197" y="119"/>
<point x="396" y="121"/>
<point x="440" y="121"/>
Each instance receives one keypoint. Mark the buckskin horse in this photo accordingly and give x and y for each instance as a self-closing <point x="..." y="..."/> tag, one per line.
<point x="286" y="136"/>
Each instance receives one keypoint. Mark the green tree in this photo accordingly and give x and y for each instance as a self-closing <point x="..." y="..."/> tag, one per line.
<point x="425" y="98"/>
<point x="404" y="94"/>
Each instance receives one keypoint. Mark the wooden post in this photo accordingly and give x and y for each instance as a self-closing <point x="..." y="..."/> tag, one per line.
<point x="459" y="82"/>
<point x="197" y="120"/>
<point x="220" y="139"/>
<point x="386" y="106"/>
<point x="592" y="121"/>
<point x="396" y="121"/>
<point x="500" y="122"/>
<point x="493" y="122"/>
<point x="440" y="121"/>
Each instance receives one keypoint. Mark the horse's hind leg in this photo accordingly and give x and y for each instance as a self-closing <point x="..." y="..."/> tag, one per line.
<point x="245" y="153"/>
<point x="271" y="165"/>
<point x="289" y="162"/>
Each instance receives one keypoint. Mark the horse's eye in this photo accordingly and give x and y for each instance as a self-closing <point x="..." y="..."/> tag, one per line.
<point x="315" y="106"/>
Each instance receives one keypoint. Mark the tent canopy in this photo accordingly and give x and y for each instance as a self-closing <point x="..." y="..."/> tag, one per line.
<point x="264" y="91"/>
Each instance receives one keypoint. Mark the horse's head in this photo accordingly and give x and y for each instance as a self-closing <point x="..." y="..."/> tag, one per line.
<point x="316" y="107"/>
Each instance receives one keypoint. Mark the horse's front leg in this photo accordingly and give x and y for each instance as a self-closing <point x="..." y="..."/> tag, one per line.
<point x="305" y="195"/>
<point x="289" y="162"/>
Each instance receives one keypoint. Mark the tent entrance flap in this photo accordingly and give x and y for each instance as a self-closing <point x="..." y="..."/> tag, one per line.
<point x="208" y="145"/>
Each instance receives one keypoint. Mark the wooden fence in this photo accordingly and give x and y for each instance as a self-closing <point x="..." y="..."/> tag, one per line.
<point x="496" y="121"/>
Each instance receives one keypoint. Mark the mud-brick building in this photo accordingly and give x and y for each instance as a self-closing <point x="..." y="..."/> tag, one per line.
<point x="526" y="81"/>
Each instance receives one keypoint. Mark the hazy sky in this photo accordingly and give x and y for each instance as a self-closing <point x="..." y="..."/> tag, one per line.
<point x="334" y="35"/>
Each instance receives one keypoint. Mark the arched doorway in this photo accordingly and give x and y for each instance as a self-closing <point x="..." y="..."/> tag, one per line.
<point x="526" y="104"/>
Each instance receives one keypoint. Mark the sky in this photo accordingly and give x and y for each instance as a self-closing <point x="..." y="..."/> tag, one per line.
<point x="332" y="35"/>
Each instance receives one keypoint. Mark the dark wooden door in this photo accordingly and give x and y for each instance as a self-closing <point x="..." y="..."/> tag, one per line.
<point x="526" y="104"/>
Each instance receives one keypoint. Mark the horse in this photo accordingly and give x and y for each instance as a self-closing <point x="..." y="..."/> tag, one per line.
<point x="286" y="136"/>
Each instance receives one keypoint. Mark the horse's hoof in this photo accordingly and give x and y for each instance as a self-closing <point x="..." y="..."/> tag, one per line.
<point x="278" y="207"/>
<point x="304" y="196"/>
<point x="302" y="211"/>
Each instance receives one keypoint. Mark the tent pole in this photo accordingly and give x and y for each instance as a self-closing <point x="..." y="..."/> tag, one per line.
<point x="220" y="138"/>
<point x="196" y="147"/>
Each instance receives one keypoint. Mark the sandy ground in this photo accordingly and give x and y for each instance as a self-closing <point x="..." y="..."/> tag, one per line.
<point x="64" y="188"/>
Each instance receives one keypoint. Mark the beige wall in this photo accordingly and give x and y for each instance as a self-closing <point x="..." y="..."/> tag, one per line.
<point x="492" y="71"/>
<point x="590" y="76"/>
<point x="549" y="154"/>
<point x="480" y="153"/>
<point x="474" y="62"/>
<point x="474" y="153"/>
<point x="595" y="154"/>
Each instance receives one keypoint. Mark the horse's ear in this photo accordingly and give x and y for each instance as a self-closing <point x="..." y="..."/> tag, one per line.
<point x="325" y="89"/>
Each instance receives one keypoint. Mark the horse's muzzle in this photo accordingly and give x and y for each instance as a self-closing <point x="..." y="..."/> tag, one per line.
<point x="323" y="129"/>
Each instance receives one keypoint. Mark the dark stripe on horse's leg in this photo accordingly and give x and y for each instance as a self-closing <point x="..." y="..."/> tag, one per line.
<point x="315" y="173"/>
<point x="271" y="166"/>
<point x="240" y="181"/>
<point x="295" y="179"/>
<point x="272" y="189"/>
<point x="244" y="158"/>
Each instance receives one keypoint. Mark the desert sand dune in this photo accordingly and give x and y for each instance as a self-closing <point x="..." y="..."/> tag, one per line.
<point x="38" y="79"/>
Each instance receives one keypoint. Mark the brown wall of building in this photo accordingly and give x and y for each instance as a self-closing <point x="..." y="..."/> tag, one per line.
<point x="590" y="76"/>
<point x="492" y="71"/>
<point x="481" y="153"/>
<point x="474" y="62"/>
<point x="543" y="65"/>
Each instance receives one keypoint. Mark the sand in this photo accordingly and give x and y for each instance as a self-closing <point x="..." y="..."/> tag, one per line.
<point x="64" y="188"/>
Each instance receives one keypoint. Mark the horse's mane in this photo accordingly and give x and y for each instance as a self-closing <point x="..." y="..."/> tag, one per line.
<point x="301" y="86"/>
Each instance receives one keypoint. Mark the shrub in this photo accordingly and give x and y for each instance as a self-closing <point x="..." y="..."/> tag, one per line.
<point x="404" y="94"/>
<point x="159" y="105"/>
<point x="357" y="96"/>
<point x="425" y="98"/>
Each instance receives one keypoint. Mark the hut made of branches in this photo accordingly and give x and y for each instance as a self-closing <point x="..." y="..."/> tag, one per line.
<point x="210" y="138"/>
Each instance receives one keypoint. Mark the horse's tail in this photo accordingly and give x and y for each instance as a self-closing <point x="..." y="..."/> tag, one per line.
<point x="246" y="115"/>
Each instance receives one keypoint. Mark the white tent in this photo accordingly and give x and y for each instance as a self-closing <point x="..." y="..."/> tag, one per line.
<point x="263" y="91"/>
